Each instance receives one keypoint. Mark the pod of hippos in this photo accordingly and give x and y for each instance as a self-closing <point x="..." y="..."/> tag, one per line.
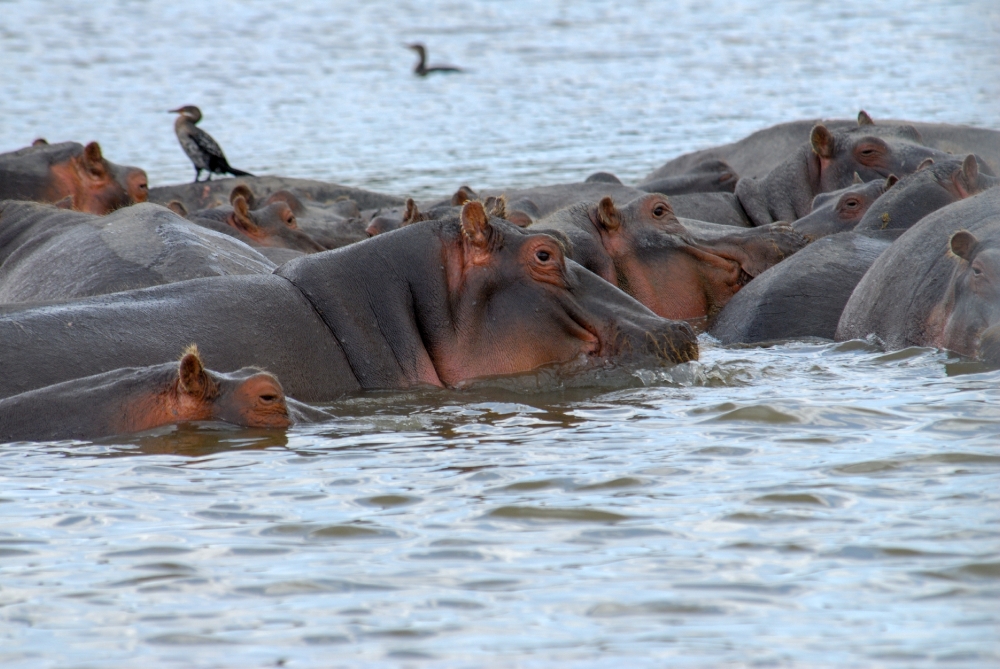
<point x="123" y="308"/>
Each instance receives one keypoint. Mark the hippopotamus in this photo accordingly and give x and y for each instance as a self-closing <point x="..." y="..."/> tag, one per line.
<point x="440" y="303"/>
<point x="77" y="176"/>
<point x="936" y="185"/>
<point x="757" y="154"/>
<point x="829" y="162"/>
<point x="272" y="229"/>
<point x="331" y="225"/>
<point x="712" y="175"/>
<point x="677" y="271"/>
<point x="138" y="399"/>
<point x="802" y="296"/>
<point x="936" y="285"/>
<point x="841" y="210"/>
<point x="48" y="253"/>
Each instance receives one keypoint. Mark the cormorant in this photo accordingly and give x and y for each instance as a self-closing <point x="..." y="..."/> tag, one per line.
<point x="421" y="69"/>
<point x="203" y="151"/>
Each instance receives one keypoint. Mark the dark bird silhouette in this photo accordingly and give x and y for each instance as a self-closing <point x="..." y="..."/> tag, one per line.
<point x="204" y="152"/>
<point x="421" y="69"/>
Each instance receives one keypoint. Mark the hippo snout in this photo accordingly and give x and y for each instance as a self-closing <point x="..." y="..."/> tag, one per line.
<point x="675" y="342"/>
<point x="989" y="346"/>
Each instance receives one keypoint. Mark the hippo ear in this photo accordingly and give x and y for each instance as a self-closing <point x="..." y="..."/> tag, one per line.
<point x="178" y="208"/>
<point x="607" y="215"/>
<point x="857" y="179"/>
<point x="412" y="214"/>
<point x="520" y="218"/>
<point x="496" y="206"/>
<point x="970" y="174"/>
<point x="962" y="244"/>
<point x="92" y="158"/>
<point x="864" y="118"/>
<point x="463" y="195"/>
<point x="192" y="379"/>
<point x="41" y="141"/>
<point x="925" y="163"/>
<point x="294" y="203"/>
<point x="476" y="225"/>
<point x="891" y="181"/>
<point x="65" y="203"/>
<point x="822" y="141"/>
<point x="244" y="191"/>
<point x="241" y="215"/>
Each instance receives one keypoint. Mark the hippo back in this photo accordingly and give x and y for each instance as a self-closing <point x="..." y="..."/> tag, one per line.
<point x="896" y="297"/>
<point x="801" y="296"/>
<point x="51" y="254"/>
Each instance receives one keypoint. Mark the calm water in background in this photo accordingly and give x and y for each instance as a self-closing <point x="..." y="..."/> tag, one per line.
<point x="805" y="505"/>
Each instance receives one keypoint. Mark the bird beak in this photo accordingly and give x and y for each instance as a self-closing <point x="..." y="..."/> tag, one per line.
<point x="173" y="111"/>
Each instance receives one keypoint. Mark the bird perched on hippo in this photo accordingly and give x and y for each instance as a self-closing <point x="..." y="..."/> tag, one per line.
<point x="204" y="152"/>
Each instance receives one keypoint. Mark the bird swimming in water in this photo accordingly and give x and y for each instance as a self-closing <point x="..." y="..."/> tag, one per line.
<point x="421" y="69"/>
<point x="204" y="152"/>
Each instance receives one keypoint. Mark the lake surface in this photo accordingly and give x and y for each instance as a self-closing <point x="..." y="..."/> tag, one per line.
<point x="803" y="505"/>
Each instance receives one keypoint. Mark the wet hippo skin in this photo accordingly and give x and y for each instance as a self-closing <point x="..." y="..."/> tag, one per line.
<point x="438" y="303"/>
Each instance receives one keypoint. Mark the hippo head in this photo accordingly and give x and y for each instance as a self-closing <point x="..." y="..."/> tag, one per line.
<point x="974" y="295"/>
<point x="841" y="210"/>
<point x="518" y="303"/>
<point x="273" y="225"/>
<point x="248" y="397"/>
<point x="470" y="296"/>
<point x="649" y="254"/>
<point x="934" y="185"/>
<point x="96" y="185"/>
<point x="872" y="151"/>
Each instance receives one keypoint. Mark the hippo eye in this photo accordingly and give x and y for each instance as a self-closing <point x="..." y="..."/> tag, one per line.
<point x="851" y="203"/>
<point x="269" y="398"/>
<point x="659" y="210"/>
<point x="976" y="271"/>
<point x="542" y="255"/>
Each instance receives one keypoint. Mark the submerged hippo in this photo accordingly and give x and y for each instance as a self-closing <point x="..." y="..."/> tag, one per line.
<point x="331" y="225"/>
<point x="267" y="228"/>
<point x="934" y="186"/>
<point x="802" y="296"/>
<point x="70" y="173"/>
<point x="678" y="272"/>
<point x="52" y="254"/>
<point x="757" y="154"/>
<point x="439" y="303"/>
<point x="137" y="399"/>
<point x="841" y="210"/>
<point x="937" y="285"/>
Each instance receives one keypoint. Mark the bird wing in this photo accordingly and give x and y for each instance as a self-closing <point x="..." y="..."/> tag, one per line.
<point x="206" y="143"/>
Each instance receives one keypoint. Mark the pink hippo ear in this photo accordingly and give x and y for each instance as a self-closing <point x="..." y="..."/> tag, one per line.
<point x="192" y="379"/>
<point x="244" y="191"/>
<point x="857" y="179"/>
<point x="864" y="118"/>
<point x="891" y="181"/>
<point x="607" y="215"/>
<point x="463" y="195"/>
<point x="968" y="178"/>
<point x="962" y="244"/>
<point x="476" y="226"/>
<point x="925" y="163"/>
<point x="822" y="141"/>
<point x="65" y="203"/>
<point x="496" y="206"/>
<point x="92" y="158"/>
<point x="178" y="208"/>
<point x="412" y="214"/>
<point x="241" y="216"/>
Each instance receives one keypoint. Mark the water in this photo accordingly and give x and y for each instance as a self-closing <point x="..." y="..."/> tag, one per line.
<point x="803" y="505"/>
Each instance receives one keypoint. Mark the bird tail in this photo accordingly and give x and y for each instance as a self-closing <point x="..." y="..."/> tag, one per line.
<point x="239" y="173"/>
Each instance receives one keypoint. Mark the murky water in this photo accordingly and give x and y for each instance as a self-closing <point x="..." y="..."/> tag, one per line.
<point x="805" y="505"/>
